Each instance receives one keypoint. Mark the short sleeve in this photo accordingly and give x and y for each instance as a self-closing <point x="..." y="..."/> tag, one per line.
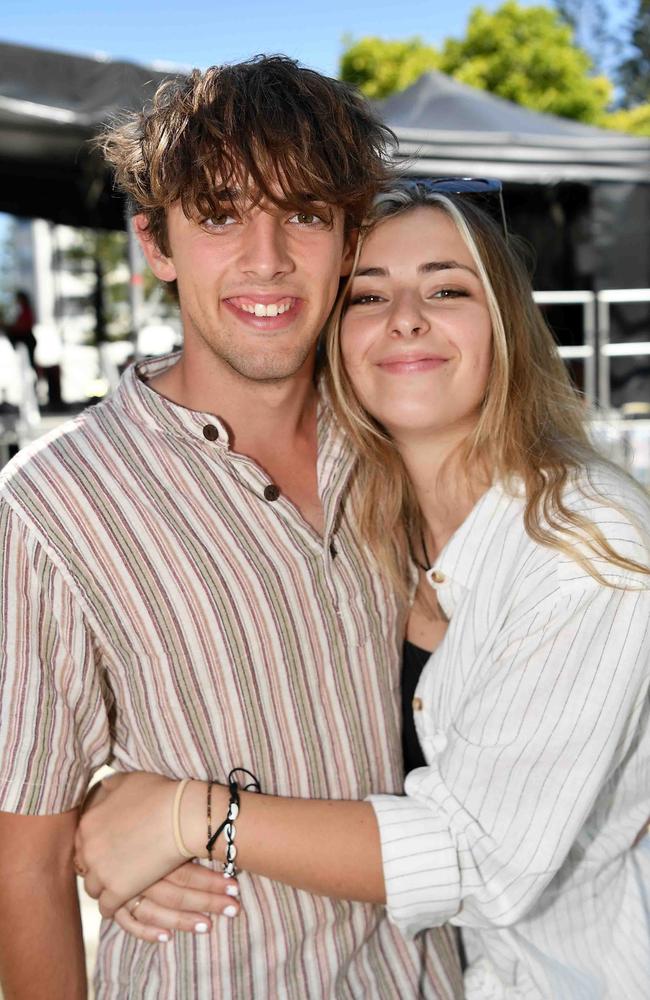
<point x="53" y="716"/>
<point x="542" y="727"/>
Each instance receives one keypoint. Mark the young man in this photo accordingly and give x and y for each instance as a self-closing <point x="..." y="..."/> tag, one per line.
<point x="183" y="589"/>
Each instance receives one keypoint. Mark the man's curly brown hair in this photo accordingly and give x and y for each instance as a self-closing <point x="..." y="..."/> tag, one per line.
<point x="267" y="128"/>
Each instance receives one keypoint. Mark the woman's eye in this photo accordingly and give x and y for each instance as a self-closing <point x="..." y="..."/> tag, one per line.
<point x="362" y="300"/>
<point x="449" y="293"/>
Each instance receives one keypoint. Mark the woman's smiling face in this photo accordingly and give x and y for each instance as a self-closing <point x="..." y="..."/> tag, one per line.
<point x="416" y="339"/>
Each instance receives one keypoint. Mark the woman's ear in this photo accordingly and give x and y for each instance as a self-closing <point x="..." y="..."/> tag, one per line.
<point x="161" y="265"/>
<point x="349" y="250"/>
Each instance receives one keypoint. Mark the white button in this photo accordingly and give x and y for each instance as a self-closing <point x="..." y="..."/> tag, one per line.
<point x="439" y="742"/>
<point x="435" y="577"/>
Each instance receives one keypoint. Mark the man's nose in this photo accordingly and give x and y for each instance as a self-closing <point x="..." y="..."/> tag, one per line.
<point x="408" y="317"/>
<point x="265" y="252"/>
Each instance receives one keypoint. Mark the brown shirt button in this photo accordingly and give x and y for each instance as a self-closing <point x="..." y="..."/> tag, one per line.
<point x="271" y="492"/>
<point x="437" y="576"/>
<point x="416" y="704"/>
<point x="210" y="432"/>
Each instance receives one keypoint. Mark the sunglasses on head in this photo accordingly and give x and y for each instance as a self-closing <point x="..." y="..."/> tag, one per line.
<point x="488" y="193"/>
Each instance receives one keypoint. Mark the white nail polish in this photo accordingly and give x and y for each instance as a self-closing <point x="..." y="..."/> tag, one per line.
<point x="163" y="938"/>
<point x="230" y="911"/>
<point x="201" y="927"/>
<point x="232" y="890"/>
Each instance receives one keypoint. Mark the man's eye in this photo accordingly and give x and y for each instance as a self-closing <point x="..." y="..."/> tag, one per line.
<point x="307" y="219"/>
<point x="219" y="221"/>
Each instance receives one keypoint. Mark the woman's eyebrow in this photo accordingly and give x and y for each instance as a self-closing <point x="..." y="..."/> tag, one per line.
<point x="444" y="265"/>
<point x="426" y="268"/>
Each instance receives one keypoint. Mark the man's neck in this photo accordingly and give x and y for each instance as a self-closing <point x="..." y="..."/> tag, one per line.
<point x="273" y="423"/>
<point x="255" y="413"/>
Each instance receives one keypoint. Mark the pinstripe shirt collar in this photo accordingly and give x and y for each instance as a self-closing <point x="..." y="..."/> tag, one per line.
<point x="455" y="570"/>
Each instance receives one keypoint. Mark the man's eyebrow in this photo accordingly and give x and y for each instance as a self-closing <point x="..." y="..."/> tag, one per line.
<point x="227" y="193"/>
<point x="426" y="268"/>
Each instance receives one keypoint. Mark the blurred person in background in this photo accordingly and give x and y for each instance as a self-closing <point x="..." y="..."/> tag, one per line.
<point x="21" y="329"/>
<point x="184" y="585"/>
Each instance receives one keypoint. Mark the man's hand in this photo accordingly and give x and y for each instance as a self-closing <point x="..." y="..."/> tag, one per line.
<point x="124" y="840"/>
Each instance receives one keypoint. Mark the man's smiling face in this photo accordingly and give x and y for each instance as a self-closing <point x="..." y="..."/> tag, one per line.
<point x="256" y="284"/>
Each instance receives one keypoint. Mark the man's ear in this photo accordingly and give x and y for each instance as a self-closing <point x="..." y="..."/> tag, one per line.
<point x="161" y="265"/>
<point x="349" y="250"/>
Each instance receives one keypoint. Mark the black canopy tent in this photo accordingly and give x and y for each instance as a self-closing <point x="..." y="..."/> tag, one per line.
<point x="52" y="105"/>
<point x="580" y="195"/>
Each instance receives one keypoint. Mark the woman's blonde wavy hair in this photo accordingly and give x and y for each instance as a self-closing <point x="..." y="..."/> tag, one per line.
<point x="532" y="421"/>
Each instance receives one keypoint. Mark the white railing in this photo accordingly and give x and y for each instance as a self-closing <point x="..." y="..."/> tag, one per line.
<point x="606" y="349"/>
<point x="587" y="350"/>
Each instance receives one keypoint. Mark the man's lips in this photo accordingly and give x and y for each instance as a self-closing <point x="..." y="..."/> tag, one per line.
<point x="407" y="364"/>
<point x="264" y="311"/>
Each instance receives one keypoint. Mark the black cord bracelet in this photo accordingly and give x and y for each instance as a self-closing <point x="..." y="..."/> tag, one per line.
<point x="228" y="825"/>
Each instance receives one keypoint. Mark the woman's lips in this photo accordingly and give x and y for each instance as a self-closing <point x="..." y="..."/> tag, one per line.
<point x="411" y="365"/>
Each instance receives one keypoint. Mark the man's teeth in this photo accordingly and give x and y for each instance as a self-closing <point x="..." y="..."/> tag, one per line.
<point x="273" y="309"/>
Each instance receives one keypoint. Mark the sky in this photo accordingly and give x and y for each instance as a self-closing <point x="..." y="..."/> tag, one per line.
<point x="203" y="32"/>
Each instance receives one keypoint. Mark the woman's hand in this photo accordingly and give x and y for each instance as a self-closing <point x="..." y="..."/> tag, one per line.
<point x="125" y="842"/>
<point x="182" y="901"/>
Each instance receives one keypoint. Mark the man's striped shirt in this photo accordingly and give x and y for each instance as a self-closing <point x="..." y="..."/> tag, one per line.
<point x="163" y="610"/>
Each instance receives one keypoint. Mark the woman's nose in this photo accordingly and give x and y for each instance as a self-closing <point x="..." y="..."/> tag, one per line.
<point x="408" y="318"/>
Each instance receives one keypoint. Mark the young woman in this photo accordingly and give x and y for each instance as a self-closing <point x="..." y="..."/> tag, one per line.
<point x="532" y="593"/>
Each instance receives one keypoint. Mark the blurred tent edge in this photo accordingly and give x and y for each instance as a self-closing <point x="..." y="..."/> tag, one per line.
<point x="51" y="105"/>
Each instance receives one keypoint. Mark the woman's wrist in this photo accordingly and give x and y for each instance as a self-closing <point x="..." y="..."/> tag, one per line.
<point x="194" y="818"/>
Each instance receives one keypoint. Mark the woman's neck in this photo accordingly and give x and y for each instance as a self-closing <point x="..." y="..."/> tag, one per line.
<point x="445" y="488"/>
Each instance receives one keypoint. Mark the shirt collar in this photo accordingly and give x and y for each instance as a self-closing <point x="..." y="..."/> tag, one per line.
<point x="146" y="406"/>
<point x="459" y="562"/>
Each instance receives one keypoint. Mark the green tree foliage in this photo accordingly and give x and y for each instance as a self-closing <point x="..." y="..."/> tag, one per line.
<point x="527" y="55"/>
<point x="634" y="71"/>
<point x="636" y="120"/>
<point x="379" y="68"/>
<point x="102" y="253"/>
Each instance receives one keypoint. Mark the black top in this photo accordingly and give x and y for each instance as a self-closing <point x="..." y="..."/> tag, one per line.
<point x="413" y="660"/>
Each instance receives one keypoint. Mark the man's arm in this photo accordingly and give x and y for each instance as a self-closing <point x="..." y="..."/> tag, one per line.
<point x="41" y="945"/>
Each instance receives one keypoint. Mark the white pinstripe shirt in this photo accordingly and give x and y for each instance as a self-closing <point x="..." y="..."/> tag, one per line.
<point x="533" y="718"/>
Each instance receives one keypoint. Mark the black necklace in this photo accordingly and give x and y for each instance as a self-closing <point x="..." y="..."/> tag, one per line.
<point x="424" y="549"/>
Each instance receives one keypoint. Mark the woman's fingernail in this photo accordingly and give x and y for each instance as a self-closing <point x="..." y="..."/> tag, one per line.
<point x="201" y="927"/>
<point x="232" y="890"/>
<point x="163" y="938"/>
<point x="230" y="911"/>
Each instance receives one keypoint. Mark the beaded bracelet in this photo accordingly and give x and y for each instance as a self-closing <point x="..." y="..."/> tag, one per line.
<point x="228" y="825"/>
